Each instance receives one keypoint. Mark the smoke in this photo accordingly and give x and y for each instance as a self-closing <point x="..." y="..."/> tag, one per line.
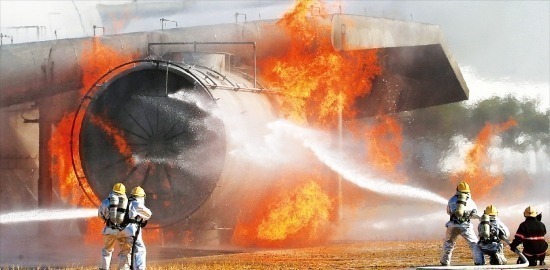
<point x="482" y="87"/>
<point x="503" y="160"/>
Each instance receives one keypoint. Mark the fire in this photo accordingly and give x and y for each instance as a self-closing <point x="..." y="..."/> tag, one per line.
<point x="317" y="82"/>
<point x="307" y="206"/>
<point x="59" y="146"/>
<point x="96" y="60"/>
<point x="318" y="86"/>
<point x="476" y="174"/>
<point x="384" y="141"/>
<point x="70" y="188"/>
<point x="114" y="133"/>
<point x="152" y="235"/>
<point x="295" y="217"/>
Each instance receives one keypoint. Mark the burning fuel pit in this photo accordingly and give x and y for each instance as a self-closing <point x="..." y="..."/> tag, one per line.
<point x="151" y="123"/>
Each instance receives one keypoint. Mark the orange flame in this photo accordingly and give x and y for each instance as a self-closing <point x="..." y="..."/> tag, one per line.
<point x="60" y="149"/>
<point x="96" y="60"/>
<point x="384" y="141"/>
<point x="481" y="181"/>
<point x="317" y="82"/>
<point x="114" y="133"/>
<point x="307" y="207"/>
<point x="318" y="85"/>
<point x="296" y="217"/>
<point x="70" y="188"/>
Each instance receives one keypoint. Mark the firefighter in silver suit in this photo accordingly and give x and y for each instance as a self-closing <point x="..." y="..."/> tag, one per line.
<point x="461" y="208"/>
<point x="112" y="211"/>
<point x="491" y="232"/>
<point x="138" y="215"/>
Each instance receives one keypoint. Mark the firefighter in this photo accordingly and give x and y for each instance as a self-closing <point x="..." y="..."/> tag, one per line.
<point x="531" y="233"/>
<point x="461" y="208"/>
<point x="491" y="231"/>
<point x="138" y="215"/>
<point x="112" y="211"/>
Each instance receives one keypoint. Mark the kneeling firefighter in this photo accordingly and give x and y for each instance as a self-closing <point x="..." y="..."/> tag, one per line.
<point x="138" y="215"/>
<point x="112" y="210"/>
<point x="531" y="234"/>
<point x="491" y="231"/>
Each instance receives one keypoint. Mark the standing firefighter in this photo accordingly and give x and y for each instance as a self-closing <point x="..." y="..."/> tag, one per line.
<point x="491" y="231"/>
<point x="531" y="233"/>
<point x="461" y="208"/>
<point x="138" y="214"/>
<point x="112" y="210"/>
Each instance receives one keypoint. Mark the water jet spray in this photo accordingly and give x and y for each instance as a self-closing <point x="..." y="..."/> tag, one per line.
<point x="47" y="215"/>
<point x="350" y="171"/>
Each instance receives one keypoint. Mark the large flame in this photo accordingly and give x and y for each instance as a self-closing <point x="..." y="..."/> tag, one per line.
<point x="318" y="86"/>
<point x="295" y="215"/>
<point x="62" y="167"/>
<point x="97" y="59"/>
<point x="476" y="174"/>
<point x="70" y="187"/>
<point x="306" y="207"/>
<point x="384" y="140"/>
<point x="317" y="82"/>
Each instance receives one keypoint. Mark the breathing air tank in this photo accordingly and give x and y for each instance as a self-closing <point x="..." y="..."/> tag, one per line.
<point x="460" y="204"/>
<point x="485" y="229"/>
<point x="113" y="205"/>
<point x="117" y="208"/>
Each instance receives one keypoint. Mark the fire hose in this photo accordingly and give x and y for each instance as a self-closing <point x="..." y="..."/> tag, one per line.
<point x="506" y="266"/>
<point x="133" y="252"/>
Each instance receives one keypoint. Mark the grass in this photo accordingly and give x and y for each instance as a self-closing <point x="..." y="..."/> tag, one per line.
<point x="361" y="255"/>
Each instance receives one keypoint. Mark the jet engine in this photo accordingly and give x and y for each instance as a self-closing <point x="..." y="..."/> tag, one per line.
<point x="162" y="126"/>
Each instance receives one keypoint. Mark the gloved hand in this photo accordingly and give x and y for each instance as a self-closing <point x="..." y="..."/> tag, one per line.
<point x="143" y="223"/>
<point x="474" y="215"/>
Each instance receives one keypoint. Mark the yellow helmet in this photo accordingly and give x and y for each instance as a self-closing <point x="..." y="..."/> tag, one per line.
<point x="138" y="192"/>
<point x="119" y="188"/>
<point x="463" y="187"/>
<point x="530" y="212"/>
<point x="491" y="210"/>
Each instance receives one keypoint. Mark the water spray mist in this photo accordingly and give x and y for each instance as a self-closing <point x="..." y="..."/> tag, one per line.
<point x="350" y="171"/>
<point x="47" y="215"/>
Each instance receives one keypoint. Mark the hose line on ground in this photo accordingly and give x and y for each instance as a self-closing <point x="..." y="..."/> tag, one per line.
<point x="506" y="266"/>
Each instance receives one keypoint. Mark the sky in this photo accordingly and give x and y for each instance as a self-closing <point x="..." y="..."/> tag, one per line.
<point x="502" y="47"/>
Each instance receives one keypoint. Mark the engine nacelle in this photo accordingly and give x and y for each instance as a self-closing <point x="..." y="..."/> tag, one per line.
<point x="162" y="126"/>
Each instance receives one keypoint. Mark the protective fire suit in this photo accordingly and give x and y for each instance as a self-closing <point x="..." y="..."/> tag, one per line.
<point x="111" y="235"/>
<point x="137" y="213"/>
<point x="463" y="227"/>
<point x="492" y="245"/>
<point x="531" y="234"/>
